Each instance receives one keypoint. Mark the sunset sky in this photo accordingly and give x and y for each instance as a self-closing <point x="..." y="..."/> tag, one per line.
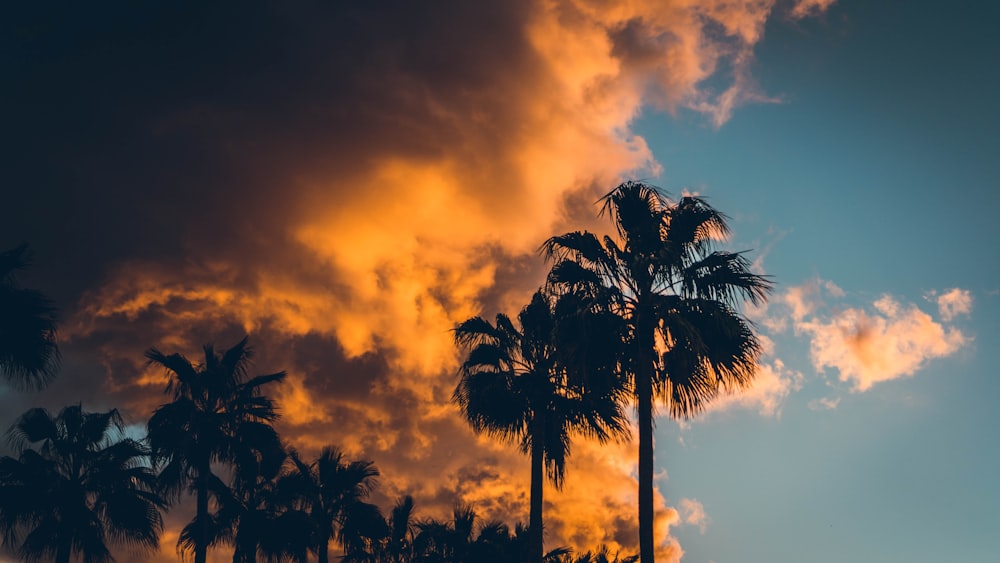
<point x="346" y="181"/>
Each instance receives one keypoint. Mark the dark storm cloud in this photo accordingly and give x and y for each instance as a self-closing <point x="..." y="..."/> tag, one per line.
<point x="345" y="181"/>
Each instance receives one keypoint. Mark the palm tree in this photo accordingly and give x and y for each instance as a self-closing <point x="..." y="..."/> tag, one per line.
<point x="602" y="555"/>
<point x="465" y="540"/>
<point x="446" y="542"/>
<point x="518" y="387"/>
<point x="217" y="415"/>
<point x="332" y="491"/>
<point x="252" y="516"/>
<point x="73" y="489"/>
<point x="399" y="547"/>
<point x="29" y="357"/>
<point x="677" y="298"/>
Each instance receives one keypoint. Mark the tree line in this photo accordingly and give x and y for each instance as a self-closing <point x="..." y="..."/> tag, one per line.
<point x="647" y="315"/>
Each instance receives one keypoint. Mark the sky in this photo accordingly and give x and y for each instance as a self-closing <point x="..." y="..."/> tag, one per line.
<point x="347" y="181"/>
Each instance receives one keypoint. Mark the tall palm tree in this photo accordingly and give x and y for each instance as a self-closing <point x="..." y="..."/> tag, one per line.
<point x="677" y="298"/>
<point x="29" y="357"/>
<point x="332" y="491"/>
<point x="218" y="414"/>
<point x="75" y="489"/>
<point x="515" y="385"/>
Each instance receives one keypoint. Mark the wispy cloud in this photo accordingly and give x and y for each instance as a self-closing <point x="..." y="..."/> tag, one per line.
<point x="693" y="513"/>
<point x="953" y="303"/>
<point x="824" y="403"/>
<point x="804" y="8"/>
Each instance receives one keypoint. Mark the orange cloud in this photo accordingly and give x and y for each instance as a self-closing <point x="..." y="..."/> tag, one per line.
<point x="412" y="199"/>
<point x="804" y="8"/>
<point x="773" y="383"/>
<point x="889" y="341"/>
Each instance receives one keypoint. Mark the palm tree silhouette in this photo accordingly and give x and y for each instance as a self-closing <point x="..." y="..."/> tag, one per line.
<point x="252" y="515"/>
<point x="465" y="539"/>
<point x="676" y="298"/>
<point x="217" y="415"/>
<point x="332" y="491"/>
<point x="29" y="357"/>
<point x="441" y="542"/>
<point x="516" y="386"/>
<point x="399" y="547"/>
<point x="73" y="488"/>
<point x="601" y="555"/>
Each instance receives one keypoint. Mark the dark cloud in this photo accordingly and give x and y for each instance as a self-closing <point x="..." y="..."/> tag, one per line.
<point x="343" y="180"/>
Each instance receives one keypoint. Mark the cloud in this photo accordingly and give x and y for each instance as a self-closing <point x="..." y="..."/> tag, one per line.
<point x="693" y="513"/>
<point x="804" y="8"/>
<point x="824" y="403"/>
<point x="772" y="384"/>
<point x="346" y="182"/>
<point x="889" y="341"/>
<point x="883" y="341"/>
<point x="953" y="302"/>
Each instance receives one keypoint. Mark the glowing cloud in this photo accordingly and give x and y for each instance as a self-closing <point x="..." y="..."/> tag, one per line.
<point x="773" y="383"/>
<point x="866" y="345"/>
<point x="377" y="199"/>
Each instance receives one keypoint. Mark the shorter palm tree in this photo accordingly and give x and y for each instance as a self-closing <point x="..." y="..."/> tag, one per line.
<point x="253" y="515"/>
<point x="218" y="415"/>
<point x="388" y="540"/>
<point x="332" y="491"/>
<point x="399" y="547"/>
<point x="601" y="555"/>
<point x="29" y="357"/>
<point x="523" y="385"/>
<point x="74" y="489"/>
<point x="465" y="539"/>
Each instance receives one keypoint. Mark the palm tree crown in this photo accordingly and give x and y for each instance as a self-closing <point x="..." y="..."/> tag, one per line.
<point x="676" y="298"/>
<point x="516" y="385"/>
<point x="218" y="414"/>
<point x="332" y="491"/>
<point x="29" y="357"/>
<point x="73" y="489"/>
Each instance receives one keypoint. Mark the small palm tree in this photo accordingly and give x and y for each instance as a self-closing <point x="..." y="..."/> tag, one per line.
<point x="252" y="515"/>
<point x="332" y="491"/>
<point x="467" y="540"/>
<point x="601" y="555"/>
<point x="399" y="547"/>
<point x="218" y="415"/>
<point x="518" y="385"/>
<point x="676" y="298"/>
<point x="29" y="357"/>
<point x="74" y="489"/>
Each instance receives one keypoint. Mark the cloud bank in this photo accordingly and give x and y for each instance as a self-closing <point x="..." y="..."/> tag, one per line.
<point x="346" y="182"/>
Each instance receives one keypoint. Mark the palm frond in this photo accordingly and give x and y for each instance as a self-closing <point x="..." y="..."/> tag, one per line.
<point x="725" y="276"/>
<point x="29" y="354"/>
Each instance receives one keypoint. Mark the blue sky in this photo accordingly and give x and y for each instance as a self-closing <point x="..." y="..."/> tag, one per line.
<point x="878" y="172"/>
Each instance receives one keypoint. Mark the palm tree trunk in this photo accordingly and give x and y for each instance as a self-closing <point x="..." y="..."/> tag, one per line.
<point x="644" y="396"/>
<point x="65" y="549"/>
<point x="201" y="545"/>
<point x="537" y="481"/>
<point x="322" y="551"/>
